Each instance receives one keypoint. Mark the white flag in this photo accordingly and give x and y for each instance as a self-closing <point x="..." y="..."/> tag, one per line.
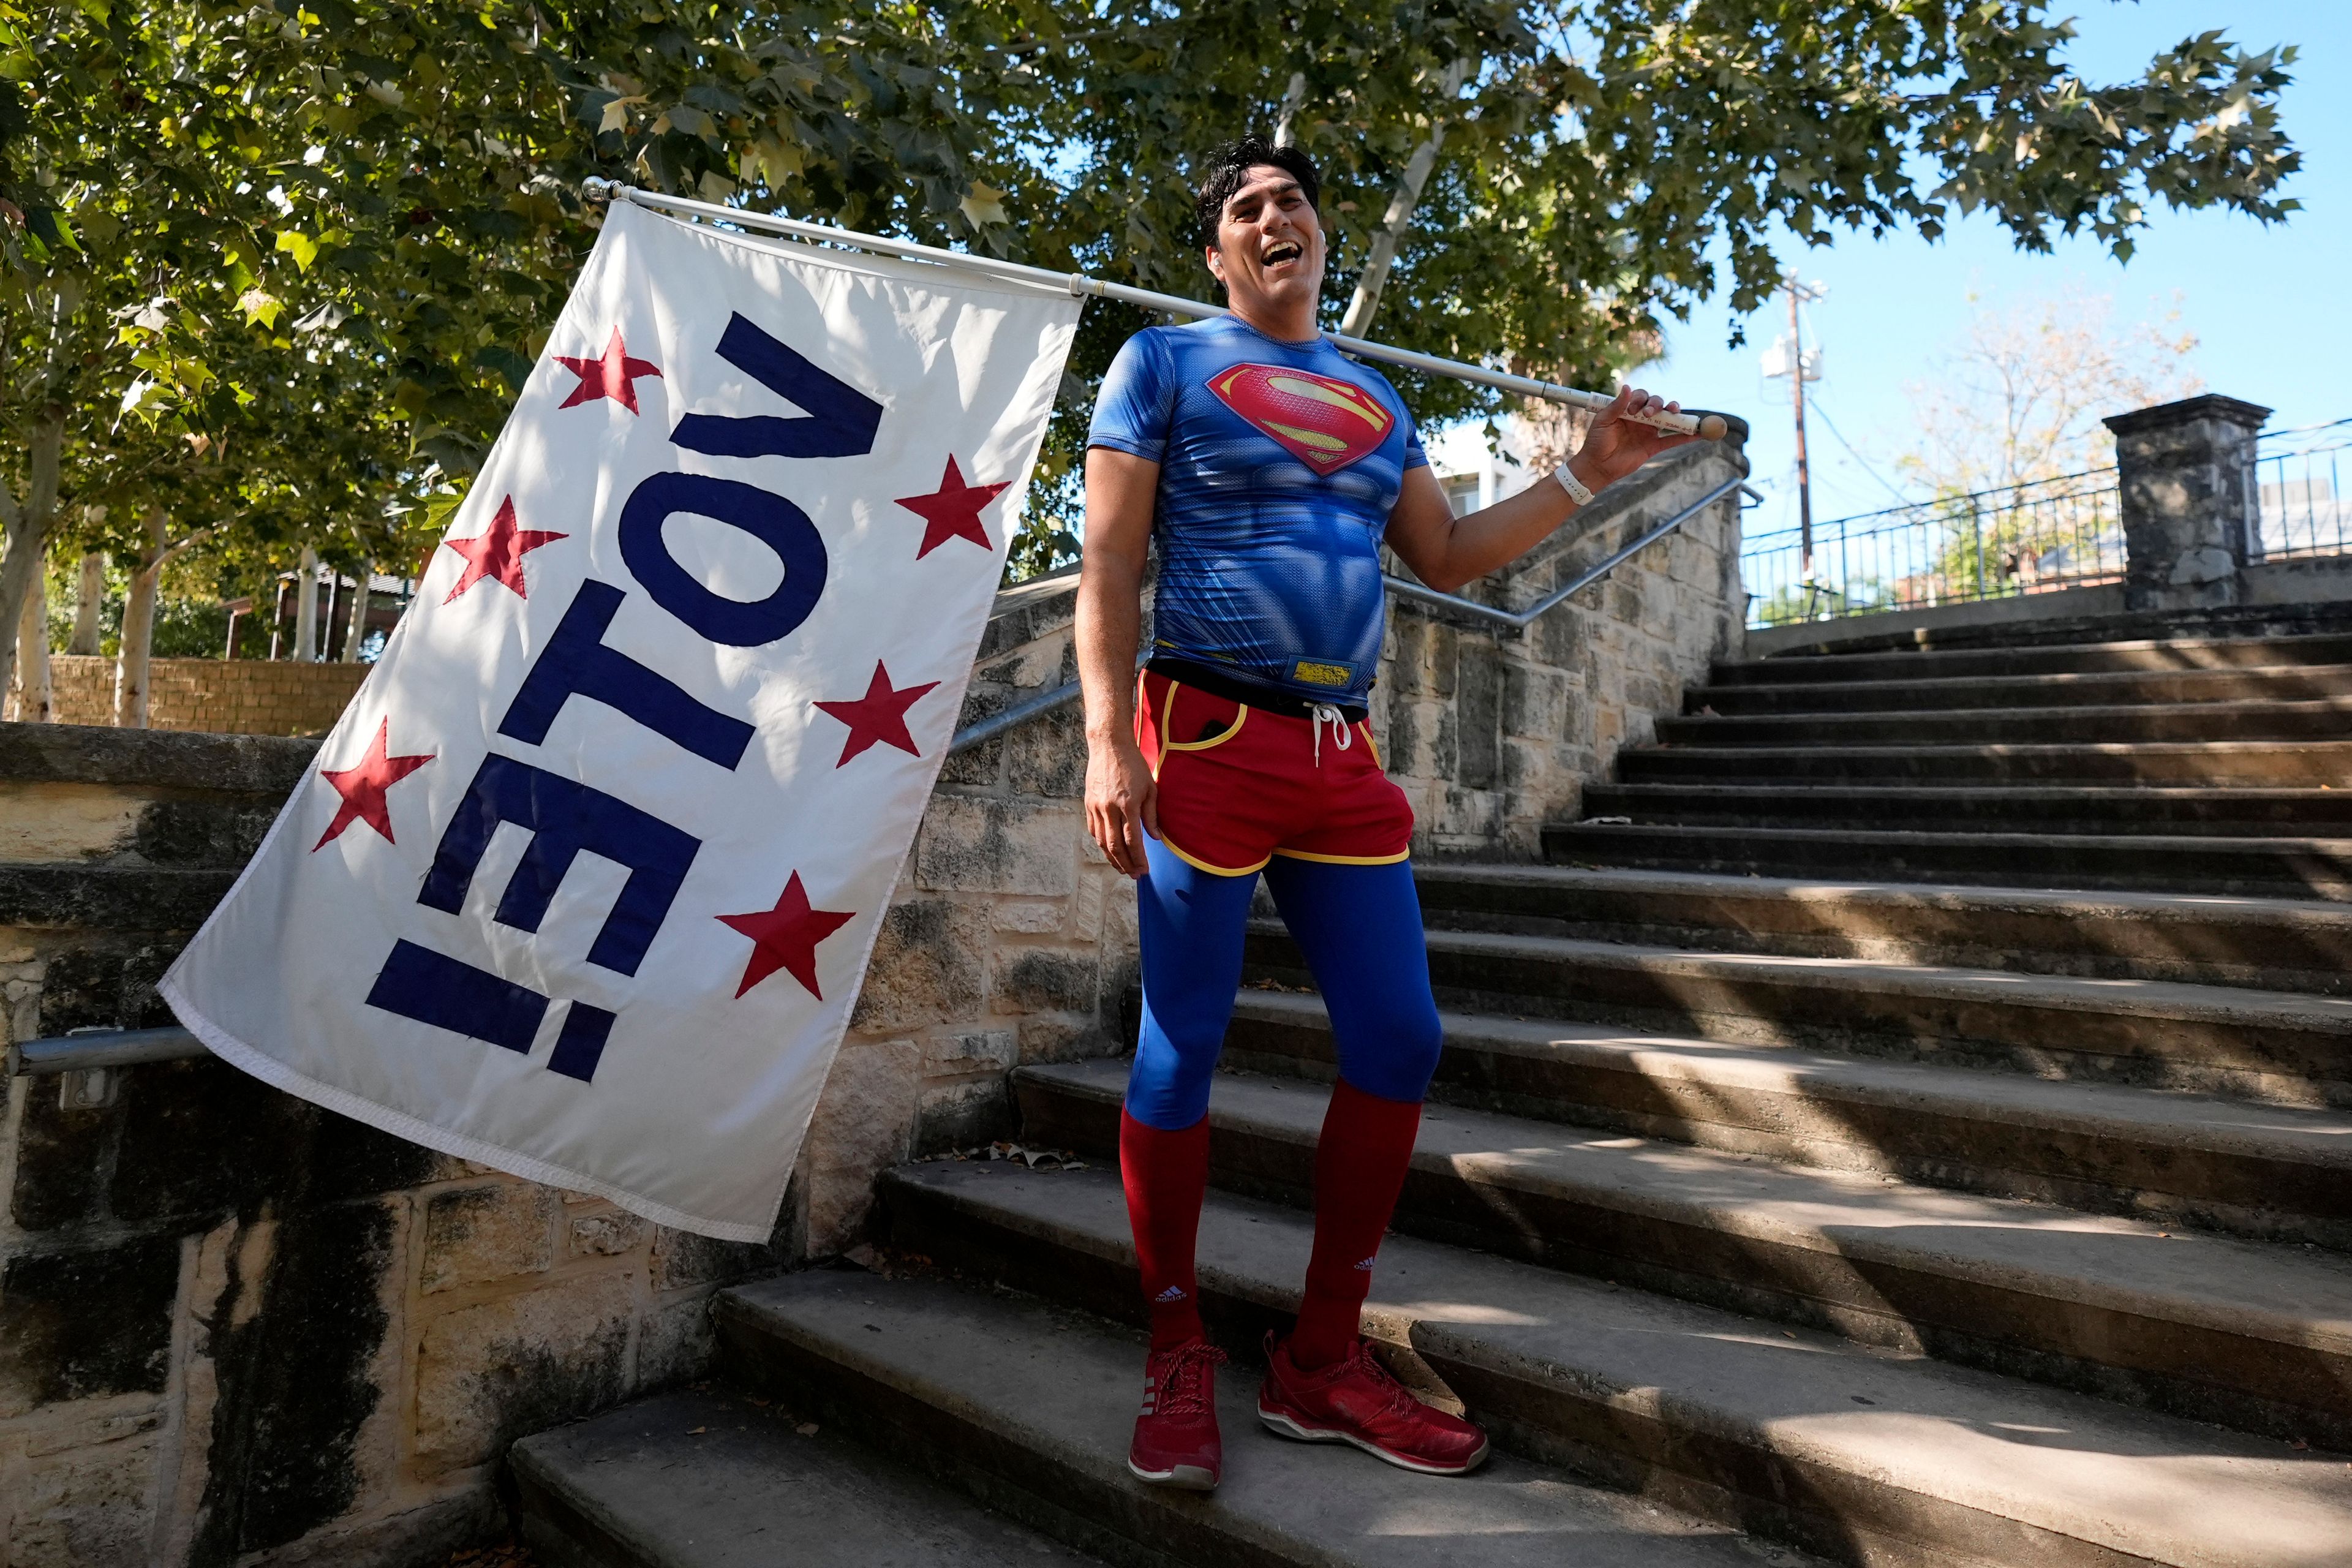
<point x="585" y="879"/>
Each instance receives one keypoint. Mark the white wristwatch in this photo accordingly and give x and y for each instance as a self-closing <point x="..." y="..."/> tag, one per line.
<point x="1575" y="487"/>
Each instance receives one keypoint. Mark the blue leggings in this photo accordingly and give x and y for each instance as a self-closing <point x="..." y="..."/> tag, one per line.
<point x="1359" y="927"/>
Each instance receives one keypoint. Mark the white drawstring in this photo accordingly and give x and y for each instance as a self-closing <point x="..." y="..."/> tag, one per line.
<point x="1324" y="713"/>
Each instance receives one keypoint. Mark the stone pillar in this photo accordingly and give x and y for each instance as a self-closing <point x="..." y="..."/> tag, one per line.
<point x="2185" y="474"/>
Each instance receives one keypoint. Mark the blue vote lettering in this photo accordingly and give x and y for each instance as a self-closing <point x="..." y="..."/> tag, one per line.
<point x="576" y="663"/>
<point x="840" y="421"/>
<point x="563" y="817"/>
<point x="769" y="518"/>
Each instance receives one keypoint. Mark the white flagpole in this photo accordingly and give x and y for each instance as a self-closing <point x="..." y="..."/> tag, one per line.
<point x="1709" y="426"/>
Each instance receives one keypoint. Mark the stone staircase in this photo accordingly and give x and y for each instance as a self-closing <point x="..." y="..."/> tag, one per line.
<point x="1908" y="1124"/>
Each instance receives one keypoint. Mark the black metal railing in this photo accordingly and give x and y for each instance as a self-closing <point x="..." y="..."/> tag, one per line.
<point x="2300" y="504"/>
<point x="2030" y="537"/>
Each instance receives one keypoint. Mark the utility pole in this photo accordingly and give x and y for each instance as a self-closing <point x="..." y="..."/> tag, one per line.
<point x="1789" y="358"/>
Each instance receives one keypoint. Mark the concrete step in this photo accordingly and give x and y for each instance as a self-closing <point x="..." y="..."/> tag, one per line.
<point x="1877" y="1458"/>
<point x="2256" y="1044"/>
<point x="2282" y="763"/>
<point x="1029" y="1407"/>
<point x="2269" y="944"/>
<point x="1980" y="808"/>
<point x="715" y="1478"/>
<point x="2305" y="869"/>
<point x="2099" y="658"/>
<point x="2265" y="1172"/>
<point x="2326" y="720"/>
<point x="2244" y="623"/>
<point x="1924" y="691"/>
<point x="2254" y="1336"/>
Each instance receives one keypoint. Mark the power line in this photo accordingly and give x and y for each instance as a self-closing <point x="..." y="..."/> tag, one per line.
<point x="1819" y="407"/>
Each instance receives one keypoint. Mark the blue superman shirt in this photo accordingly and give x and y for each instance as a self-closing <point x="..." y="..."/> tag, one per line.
<point x="1279" y="464"/>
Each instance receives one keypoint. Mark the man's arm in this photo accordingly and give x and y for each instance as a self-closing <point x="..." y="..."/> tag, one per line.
<point x="1122" y="802"/>
<point x="1445" y="552"/>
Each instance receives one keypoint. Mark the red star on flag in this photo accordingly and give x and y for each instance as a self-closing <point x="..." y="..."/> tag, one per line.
<point x="952" y="511"/>
<point x="613" y="375"/>
<point x="879" y="716"/>
<point x="498" y="552"/>
<point x="786" y="937"/>
<point x="363" y="788"/>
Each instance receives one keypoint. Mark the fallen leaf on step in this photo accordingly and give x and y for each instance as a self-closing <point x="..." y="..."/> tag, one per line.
<point x="1788" y="1333"/>
<point x="806" y="1428"/>
<point x="698" y="1431"/>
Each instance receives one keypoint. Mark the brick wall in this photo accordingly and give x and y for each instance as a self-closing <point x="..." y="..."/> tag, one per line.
<point x="224" y="696"/>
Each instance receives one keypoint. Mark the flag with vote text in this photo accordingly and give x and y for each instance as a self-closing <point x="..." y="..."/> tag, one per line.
<point x="583" y="883"/>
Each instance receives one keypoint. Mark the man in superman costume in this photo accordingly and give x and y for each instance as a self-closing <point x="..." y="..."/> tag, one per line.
<point x="1270" y="469"/>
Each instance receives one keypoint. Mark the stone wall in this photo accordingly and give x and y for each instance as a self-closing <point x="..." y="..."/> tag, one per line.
<point x="235" y="1329"/>
<point x="1493" y="733"/>
<point x="221" y="696"/>
<point x="1009" y="940"/>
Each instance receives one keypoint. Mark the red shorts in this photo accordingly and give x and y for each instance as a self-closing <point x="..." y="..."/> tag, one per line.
<point x="1241" y="785"/>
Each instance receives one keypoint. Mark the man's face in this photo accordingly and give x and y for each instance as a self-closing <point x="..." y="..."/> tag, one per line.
<point x="1269" y="249"/>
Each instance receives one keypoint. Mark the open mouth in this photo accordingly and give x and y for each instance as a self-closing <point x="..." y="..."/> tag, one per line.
<point x="1280" y="251"/>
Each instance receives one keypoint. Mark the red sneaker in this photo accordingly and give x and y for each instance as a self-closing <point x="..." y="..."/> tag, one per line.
<point x="1356" y="1399"/>
<point x="1176" y="1442"/>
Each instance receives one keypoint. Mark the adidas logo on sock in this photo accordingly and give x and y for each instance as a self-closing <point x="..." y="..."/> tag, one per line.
<point x="1173" y="1293"/>
<point x="1365" y="1267"/>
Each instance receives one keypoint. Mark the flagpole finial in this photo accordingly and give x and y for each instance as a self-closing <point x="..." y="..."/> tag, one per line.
<point x="596" y="188"/>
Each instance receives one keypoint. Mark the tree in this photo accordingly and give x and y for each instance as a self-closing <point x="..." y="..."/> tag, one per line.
<point x="2020" y="397"/>
<point x="365" y="213"/>
<point x="2010" y="439"/>
<point x="1601" y="152"/>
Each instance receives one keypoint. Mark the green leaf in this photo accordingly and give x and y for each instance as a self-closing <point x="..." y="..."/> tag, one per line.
<point x="301" y="247"/>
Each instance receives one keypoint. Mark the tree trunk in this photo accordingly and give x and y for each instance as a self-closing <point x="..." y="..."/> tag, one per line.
<point x="35" y="703"/>
<point x="306" y="608"/>
<point x="1398" y="218"/>
<point x="90" y="604"/>
<point x="1293" y="96"/>
<point x="359" y="614"/>
<point x="27" y="531"/>
<point x="130" y="665"/>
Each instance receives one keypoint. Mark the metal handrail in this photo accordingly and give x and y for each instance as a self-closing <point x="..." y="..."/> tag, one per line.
<point x="1079" y="284"/>
<point x="995" y="724"/>
<point x="86" y="1049"/>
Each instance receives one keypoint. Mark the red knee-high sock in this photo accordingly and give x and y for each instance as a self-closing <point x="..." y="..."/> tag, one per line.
<point x="1359" y="1170"/>
<point x="1166" y="1174"/>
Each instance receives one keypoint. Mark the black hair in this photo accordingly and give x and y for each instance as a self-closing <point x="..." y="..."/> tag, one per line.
<point x="1226" y="170"/>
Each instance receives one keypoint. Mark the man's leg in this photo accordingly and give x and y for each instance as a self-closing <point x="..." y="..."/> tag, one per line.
<point x="1359" y="927"/>
<point x="1190" y="926"/>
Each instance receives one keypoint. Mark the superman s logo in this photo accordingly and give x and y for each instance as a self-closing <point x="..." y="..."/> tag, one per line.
<point x="1325" y="423"/>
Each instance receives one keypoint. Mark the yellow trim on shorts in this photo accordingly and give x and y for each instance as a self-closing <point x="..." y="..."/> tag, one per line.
<point x="1167" y="716"/>
<point x="1366" y="726"/>
<point x="1199" y="864"/>
<point x="1337" y="859"/>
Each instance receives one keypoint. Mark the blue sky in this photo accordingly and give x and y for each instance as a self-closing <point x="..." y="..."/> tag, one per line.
<point x="2268" y="305"/>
